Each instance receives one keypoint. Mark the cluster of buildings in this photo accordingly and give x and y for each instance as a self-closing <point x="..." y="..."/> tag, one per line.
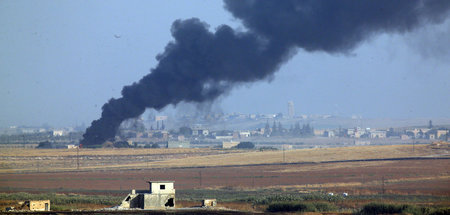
<point x="404" y="134"/>
<point x="426" y="133"/>
<point x="15" y="130"/>
<point x="163" y="131"/>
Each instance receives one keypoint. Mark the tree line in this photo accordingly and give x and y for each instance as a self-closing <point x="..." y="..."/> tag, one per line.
<point x="277" y="129"/>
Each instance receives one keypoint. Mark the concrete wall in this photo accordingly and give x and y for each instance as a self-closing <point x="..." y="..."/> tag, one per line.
<point x="161" y="195"/>
<point x="156" y="188"/>
<point x="133" y="201"/>
<point x="159" y="201"/>
<point x="42" y="205"/>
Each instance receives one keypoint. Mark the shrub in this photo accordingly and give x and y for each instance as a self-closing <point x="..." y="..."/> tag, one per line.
<point x="381" y="208"/>
<point x="300" y="207"/>
<point x="268" y="199"/>
<point x="441" y="211"/>
<point x="245" y="145"/>
<point x="121" y="144"/>
<point x="290" y="207"/>
<point x="62" y="201"/>
<point x="323" y="206"/>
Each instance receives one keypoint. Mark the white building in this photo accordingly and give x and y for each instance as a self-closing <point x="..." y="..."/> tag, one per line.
<point x="243" y="134"/>
<point x="58" y="133"/>
<point x="377" y="134"/>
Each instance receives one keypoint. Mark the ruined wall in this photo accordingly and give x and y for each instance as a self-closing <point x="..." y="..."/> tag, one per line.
<point x="133" y="201"/>
<point x="41" y="205"/>
<point x="159" y="201"/>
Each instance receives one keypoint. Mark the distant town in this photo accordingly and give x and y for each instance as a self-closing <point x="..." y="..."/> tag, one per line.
<point x="218" y="130"/>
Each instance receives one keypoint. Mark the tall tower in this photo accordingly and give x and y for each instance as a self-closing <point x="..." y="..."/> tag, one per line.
<point x="291" y="110"/>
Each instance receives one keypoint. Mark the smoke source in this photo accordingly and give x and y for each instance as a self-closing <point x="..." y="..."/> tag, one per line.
<point x="200" y="65"/>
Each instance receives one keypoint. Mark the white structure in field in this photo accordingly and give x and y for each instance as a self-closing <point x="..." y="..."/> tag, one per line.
<point x="161" y="195"/>
<point x="229" y="144"/>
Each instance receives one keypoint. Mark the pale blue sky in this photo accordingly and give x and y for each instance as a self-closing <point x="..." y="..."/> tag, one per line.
<point x="60" y="61"/>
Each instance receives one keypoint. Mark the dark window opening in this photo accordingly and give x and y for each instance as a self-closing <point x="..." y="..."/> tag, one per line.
<point x="162" y="187"/>
<point x="169" y="203"/>
<point x="128" y="198"/>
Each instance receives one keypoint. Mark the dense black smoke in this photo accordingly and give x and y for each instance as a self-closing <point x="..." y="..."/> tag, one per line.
<point x="200" y="65"/>
<point x="334" y="26"/>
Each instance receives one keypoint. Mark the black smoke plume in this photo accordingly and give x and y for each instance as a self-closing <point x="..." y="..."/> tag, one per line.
<point x="200" y="65"/>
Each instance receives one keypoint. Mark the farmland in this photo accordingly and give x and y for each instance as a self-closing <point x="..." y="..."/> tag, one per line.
<point x="56" y="160"/>
<point x="233" y="175"/>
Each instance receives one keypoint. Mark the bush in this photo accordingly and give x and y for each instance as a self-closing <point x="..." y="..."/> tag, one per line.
<point x="245" y="145"/>
<point x="441" y="211"/>
<point x="290" y="207"/>
<point x="300" y="207"/>
<point x="122" y="144"/>
<point x="267" y="148"/>
<point x="381" y="208"/>
<point x="322" y="206"/>
<point x="268" y="199"/>
<point x="64" y="201"/>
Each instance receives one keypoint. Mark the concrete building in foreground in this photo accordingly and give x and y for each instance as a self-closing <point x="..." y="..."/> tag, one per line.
<point x="161" y="195"/>
<point x="36" y="205"/>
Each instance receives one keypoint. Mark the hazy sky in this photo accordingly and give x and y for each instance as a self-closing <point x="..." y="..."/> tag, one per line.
<point x="60" y="61"/>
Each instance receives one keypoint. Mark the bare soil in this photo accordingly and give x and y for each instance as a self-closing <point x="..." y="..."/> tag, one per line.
<point x="424" y="177"/>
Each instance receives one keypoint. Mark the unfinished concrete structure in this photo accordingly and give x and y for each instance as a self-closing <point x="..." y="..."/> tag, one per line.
<point x="209" y="203"/>
<point x="35" y="205"/>
<point x="161" y="195"/>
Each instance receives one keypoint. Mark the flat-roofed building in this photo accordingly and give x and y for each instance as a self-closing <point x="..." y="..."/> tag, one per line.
<point x="36" y="205"/>
<point x="229" y="144"/>
<point x="161" y="195"/>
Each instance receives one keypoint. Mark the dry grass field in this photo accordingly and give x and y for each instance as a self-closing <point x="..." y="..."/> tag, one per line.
<point x="16" y="160"/>
<point x="27" y="152"/>
<point x="303" y="155"/>
<point x="303" y="170"/>
<point x="57" y="160"/>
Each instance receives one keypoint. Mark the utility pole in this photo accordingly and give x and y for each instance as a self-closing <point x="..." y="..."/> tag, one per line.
<point x="253" y="180"/>
<point x="284" y="154"/>
<point x="78" y="157"/>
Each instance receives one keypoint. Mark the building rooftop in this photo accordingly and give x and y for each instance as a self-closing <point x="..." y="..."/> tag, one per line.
<point x="160" y="181"/>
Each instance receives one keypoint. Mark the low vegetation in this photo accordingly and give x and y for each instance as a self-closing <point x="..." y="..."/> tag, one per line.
<point x="65" y="201"/>
<point x="368" y="209"/>
<point x="261" y="200"/>
<point x="301" y="207"/>
<point x="382" y="208"/>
